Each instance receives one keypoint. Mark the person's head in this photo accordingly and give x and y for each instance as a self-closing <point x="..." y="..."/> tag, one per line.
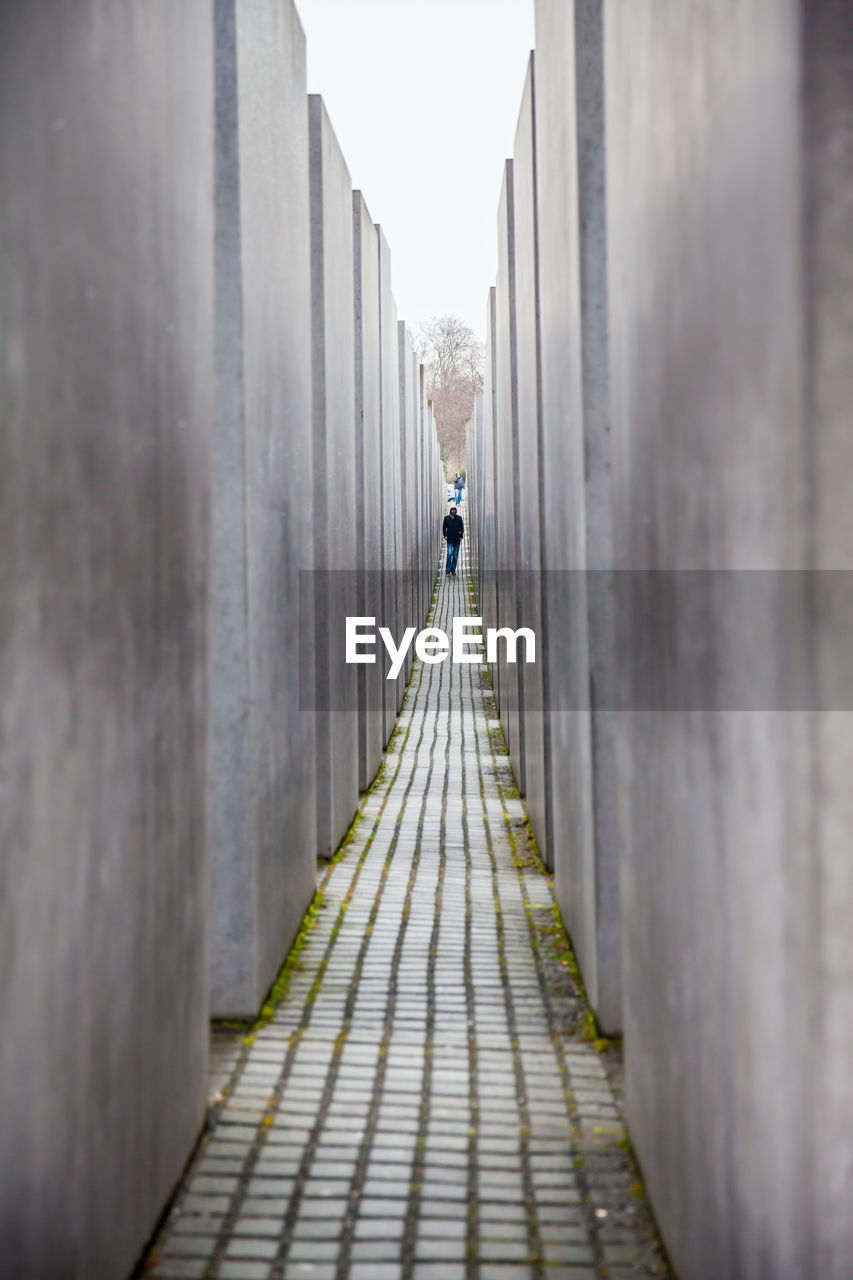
<point x="453" y="511"/>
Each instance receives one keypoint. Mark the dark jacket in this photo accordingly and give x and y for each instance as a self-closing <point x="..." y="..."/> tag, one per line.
<point x="453" y="529"/>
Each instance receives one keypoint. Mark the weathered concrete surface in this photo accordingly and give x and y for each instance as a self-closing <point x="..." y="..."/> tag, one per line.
<point x="730" y="309"/>
<point x="408" y="497"/>
<point x="531" y="525"/>
<point x="598" y="505"/>
<point x="828" y="137"/>
<point x="587" y="720"/>
<point x="435" y="501"/>
<point x="106" y="309"/>
<point x="390" y="509"/>
<point x="511" y="675"/>
<point x="488" y="587"/>
<point x="475" y="478"/>
<point x="368" y="477"/>
<point x="566" y="653"/>
<point x="432" y="512"/>
<point x="428" y="519"/>
<point x="425" y="522"/>
<point x="333" y="363"/>
<point x="262" y="744"/>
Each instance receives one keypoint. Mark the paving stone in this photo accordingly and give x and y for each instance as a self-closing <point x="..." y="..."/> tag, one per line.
<point x="375" y="1250"/>
<point x="492" y="1231"/>
<point x="322" y="1208"/>
<point x="441" y="1228"/>
<point x="238" y="1270"/>
<point x="503" y="1250"/>
<point x="577" y="1273"/>
<point x="205" y="1204"/>
<point x="441" y="1250"/>
<point x="246" y="1226"/>
<point x="378" y="1228"/>
<point x="385" y="1189"/>
<point x="195" y="1225"/>
<point x="186" y="1246"/>
<point x="265" y="1206"/>
<point x="249" y="1247"/>
<point x="498" y="1211"/>
<point x="374" y="1271"/>
<point x="314" y="1250"/>
<point x="260" y="1187"/>
<point x="500" y="1271"/>
<point x="439" y="1271"/>
<point x="327" y="1188"/>
<point x="618" y="1253"/>
<point x="435" y="1208"/>
<point x="180" y="1269"/>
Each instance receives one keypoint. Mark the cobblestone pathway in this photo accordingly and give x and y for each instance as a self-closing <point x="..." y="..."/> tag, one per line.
<point x="423" y="1103"/>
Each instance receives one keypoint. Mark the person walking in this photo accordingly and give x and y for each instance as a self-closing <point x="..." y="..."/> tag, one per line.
<point x="458" y="484"/>
<point x="452" y="531"/>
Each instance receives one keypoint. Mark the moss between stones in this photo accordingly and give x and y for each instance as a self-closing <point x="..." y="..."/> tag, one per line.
<point x="291" y="965"/>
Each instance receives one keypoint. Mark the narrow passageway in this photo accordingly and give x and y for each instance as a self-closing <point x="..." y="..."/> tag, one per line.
<point x="422" y="1103"/>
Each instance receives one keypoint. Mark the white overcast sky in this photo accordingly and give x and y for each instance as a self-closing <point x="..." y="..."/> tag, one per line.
<point x="424" y="98"/>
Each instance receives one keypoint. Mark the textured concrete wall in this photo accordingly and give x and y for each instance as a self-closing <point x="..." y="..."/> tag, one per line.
<point x="731" y="327"/>
<point x="106" y="309"/>
<point x="434" y="502"/>
<point x="408" y="496"/>
<point x="391" y="512"/>
<point x="262" y="745"/>
<point x="368" y="476"/>
<point x="828" y="174"/>
<point x="474" y="454"/>
<point x="334" y="525"/>
<point x="566" y="648"/>
<point x="489" y="516"/>
<point x="426" y="535"/>
<point x="511" y="675"/>
<point x="576" y="407"/>
<point x="426" y="517"/>
<point x="531" y="526"/>
<point x="598" y="504"/>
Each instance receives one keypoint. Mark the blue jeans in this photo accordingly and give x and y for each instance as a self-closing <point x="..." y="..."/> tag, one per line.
<point x="458" y="496"/>
<point x="452" y="556"/>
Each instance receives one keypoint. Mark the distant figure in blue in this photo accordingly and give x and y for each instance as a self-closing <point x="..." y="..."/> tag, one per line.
<point x="457" y="485"/>
<point x="452" y="531"/>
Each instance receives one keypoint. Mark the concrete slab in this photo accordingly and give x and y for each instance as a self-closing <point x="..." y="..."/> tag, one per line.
<point x="262" y="745"/>
<point x="730" y="289"/>
<point x="489" y="592"/>
<point x="391" y="508"/>
<point x="597" y="438"/>
<point x="106" y="311"/>
<point x="511" y="675"/>
<point x="566" y="653"/>
<point x="585" y="723"/>
<point x="333" y="364"/>
<point x="531" y="525"/>
<point x="368" y="476"/>
<point x="408" y="498"/>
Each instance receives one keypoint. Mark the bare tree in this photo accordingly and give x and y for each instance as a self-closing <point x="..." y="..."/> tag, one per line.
<point x="453" y="358"/>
